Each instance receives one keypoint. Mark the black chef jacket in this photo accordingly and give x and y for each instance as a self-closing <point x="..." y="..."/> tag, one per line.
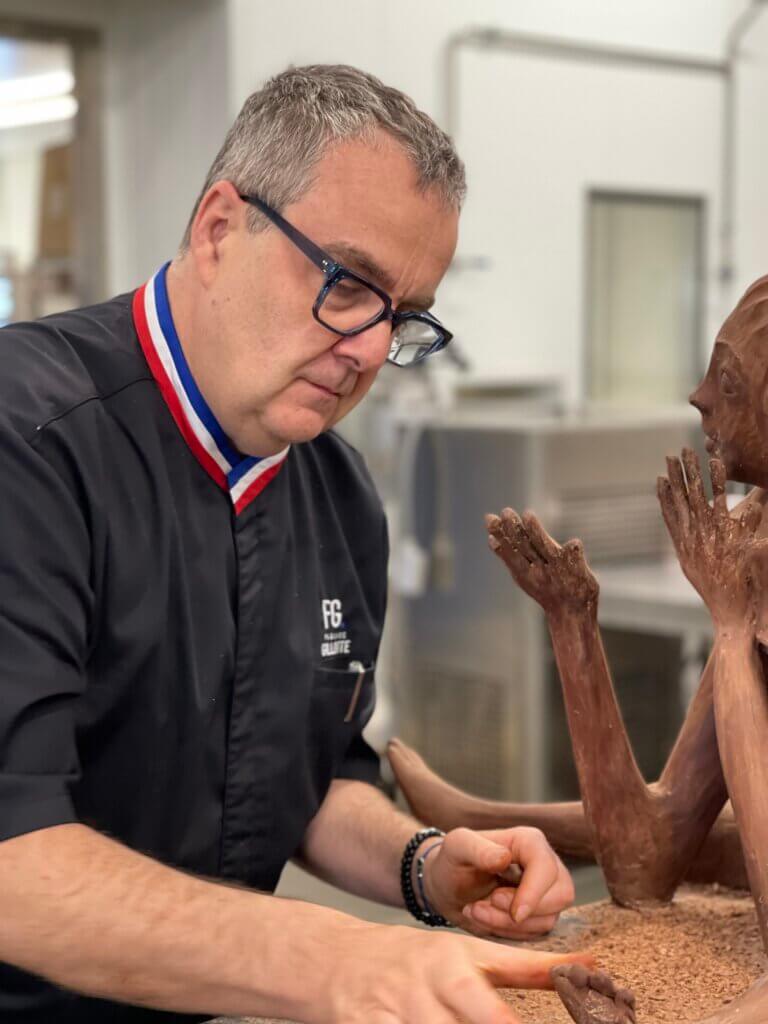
<point x="187" y="635"/>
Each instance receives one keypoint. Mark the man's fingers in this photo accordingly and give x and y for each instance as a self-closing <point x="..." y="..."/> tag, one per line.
<point x="466" y="848"/>
<point x="472" y="999"/>
<point x="559" y="896"/>
<point x="543" y="873"/>
<point x="488" y="915"/>
<point x="512" y="875"/>
<point x="524" y="968"/>
<point x="541" y="870"/>
<point x="427" y="1007"/>
<point x="503" y="897"/>
<point x="539" y="538"/>
<point x="717" y="475"/>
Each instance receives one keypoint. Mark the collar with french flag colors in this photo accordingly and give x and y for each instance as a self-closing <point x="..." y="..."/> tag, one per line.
<point x="243" y="476"/>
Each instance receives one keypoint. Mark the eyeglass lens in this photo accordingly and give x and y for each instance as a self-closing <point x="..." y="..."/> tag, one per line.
<point x="349" y="305"/>
<point x="412" y="340"/>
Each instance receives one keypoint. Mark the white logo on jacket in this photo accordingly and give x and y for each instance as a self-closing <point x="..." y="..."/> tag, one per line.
<point x="335" y="640"/>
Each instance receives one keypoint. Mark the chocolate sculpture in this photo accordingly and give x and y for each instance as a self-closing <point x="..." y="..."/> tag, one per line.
<point x="648" y="838"/>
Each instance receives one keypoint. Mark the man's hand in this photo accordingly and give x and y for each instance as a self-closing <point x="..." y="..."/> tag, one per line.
<point x="465" y="881"/>
<point x="400" y="975"/>
<point x="555" y="576"/>
<point x="719" y="553"/>
<point x="101" y="919"/>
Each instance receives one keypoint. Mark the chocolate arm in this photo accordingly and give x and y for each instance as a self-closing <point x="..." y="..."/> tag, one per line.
<point x="617" y="802"/>
<point x="692" y="785"/>
<point x="741" y="712"/>
<point x="436" y="802"/>
<point x="659" y="835"/>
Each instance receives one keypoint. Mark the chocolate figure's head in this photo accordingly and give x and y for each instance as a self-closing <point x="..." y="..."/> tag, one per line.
<point x="733" y="397"/>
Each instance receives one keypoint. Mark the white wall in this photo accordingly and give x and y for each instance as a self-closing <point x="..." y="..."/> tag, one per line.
<point x="166" y="117"/>
<point x="401" y="40"/>
<point x="535" y="134"/>
<point x="553" y="133"/>
<point x="751" y="170"/>
<point x="178" y="70"/>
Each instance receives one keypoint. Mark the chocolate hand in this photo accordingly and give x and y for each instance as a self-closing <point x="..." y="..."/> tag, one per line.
<point x="717" y="552"/>
<point x="556" y="577"/>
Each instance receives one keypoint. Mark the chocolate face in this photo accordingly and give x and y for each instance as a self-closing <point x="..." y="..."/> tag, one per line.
<point x="733" y="397"/>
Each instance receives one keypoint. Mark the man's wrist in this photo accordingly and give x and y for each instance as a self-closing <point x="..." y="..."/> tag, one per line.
<point x="424" y="858"/>
<point x="413" y="880"/>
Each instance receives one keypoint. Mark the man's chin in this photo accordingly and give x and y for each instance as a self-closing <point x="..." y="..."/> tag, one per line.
<point x="274" y="437"/>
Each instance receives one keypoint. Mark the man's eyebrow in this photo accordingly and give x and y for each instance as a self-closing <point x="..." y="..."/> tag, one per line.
<point x="361" y="262"/>
<point x="365" y="265"/>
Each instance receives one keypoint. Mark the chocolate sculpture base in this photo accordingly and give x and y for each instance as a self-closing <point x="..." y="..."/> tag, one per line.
<point x="683" y="961"/>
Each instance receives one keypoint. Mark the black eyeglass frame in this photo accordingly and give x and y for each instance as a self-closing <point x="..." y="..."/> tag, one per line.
<point x="335" y="272"/>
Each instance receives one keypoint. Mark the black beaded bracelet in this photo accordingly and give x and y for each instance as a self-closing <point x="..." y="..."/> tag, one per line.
<point x="425" y="915"/>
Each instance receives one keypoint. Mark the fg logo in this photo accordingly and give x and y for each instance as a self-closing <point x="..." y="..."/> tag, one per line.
<point x="331" y="614"/>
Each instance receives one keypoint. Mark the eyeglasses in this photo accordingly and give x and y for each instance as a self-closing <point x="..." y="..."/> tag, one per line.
<point x="347" y="304"/>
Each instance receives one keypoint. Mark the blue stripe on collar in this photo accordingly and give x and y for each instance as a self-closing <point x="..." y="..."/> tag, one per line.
<point x="201" y="407"/>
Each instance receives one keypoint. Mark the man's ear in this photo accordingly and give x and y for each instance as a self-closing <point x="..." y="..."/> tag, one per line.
<point x="220" y="212"/>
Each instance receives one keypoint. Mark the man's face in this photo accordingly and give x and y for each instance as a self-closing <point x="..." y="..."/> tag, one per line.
<point x="273" y="374"/>
<point x="732" y="397"/>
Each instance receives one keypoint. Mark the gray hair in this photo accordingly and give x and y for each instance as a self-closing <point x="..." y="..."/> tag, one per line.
<point x="283" y="130"/>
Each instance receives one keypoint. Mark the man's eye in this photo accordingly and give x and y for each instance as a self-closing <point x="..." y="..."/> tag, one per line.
<point x="346" y="291"/>
<point x="349" y="294"/>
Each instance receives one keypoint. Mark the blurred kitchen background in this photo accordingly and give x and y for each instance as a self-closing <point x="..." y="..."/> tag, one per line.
<point x="617" y="159"/>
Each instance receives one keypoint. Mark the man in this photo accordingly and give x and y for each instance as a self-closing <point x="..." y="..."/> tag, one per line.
<point x="193" y="576"/>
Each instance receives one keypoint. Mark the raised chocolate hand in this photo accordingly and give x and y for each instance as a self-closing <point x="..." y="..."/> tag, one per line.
<point x="644" y="837"/>
<point x="715" y="549"/>
<point x="727" y="561"/>
<point x="558" y="578"/>
<point x="637" y="833"/>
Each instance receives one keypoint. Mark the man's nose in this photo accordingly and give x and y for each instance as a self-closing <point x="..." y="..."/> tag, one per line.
<point x="367" y="350"/>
